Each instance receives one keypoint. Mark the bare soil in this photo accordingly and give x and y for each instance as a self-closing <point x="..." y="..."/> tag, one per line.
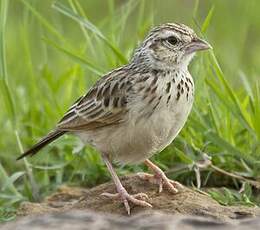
<point x="187" y="202"/>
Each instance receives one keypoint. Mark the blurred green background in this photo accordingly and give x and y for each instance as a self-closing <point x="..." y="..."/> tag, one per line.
<point x="52" y="53"/>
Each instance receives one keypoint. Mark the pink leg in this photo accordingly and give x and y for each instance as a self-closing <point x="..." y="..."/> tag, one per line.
<point x="137" y="199"/>
<point x="159" y="178"/>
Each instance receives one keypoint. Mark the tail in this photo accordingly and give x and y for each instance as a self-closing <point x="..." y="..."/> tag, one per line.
<point x="53" y="135"/>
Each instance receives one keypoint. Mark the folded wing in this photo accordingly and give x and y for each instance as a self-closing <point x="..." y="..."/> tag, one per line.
<point x="104" y="105"/>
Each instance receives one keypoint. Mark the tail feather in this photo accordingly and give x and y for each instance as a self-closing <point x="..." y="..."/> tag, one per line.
<point x="44" y="141"/>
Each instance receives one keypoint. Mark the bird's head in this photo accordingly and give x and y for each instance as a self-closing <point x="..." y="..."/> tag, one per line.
<point x="169" y="45"/>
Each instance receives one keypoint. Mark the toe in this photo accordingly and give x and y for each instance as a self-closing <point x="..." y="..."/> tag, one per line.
<point x="136" y="199"/>
<point x="161" y="180"/>
<point x="144" y="176"/>
<point x="127" y="207"/>
<point x="171" y="188"/>
<point x="139" y="202"/>
<point x="110" y="195"/>
<point x="176" y="184"/>
<point x="148" y="177"/>
<point x="160" y="186"/>
<point x="141" y="196"/>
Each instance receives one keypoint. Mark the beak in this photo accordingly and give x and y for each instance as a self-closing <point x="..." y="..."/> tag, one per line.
<point x="197" y="44"/>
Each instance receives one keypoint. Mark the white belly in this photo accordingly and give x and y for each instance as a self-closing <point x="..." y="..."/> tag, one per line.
<point x="152" y="135"/>
<point x="141" y="137"/>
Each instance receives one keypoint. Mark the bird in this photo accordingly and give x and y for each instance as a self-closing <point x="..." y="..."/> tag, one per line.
<point x="138" y="109"/>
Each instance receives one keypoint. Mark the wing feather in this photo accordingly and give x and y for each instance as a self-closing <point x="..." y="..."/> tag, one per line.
<point x="105" y="104"/>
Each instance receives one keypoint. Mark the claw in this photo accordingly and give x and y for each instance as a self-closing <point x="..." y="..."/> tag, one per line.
<point x="161" y="182"/>
<point x="137" y="199"/>
<point x="176" y="184"/>
<point x="160" y="179"/>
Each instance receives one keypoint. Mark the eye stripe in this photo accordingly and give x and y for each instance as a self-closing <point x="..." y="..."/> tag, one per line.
<point x="154" y="34"/>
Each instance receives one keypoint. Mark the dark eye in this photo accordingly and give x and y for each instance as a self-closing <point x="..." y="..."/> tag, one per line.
<point x="172" y="40"/>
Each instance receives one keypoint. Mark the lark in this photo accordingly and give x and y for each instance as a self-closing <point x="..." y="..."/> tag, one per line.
<point x="137" y="110"/>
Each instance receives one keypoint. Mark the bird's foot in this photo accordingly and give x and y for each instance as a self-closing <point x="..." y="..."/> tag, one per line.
<point x="161" y="181"/>
<point x="160" y="178"/>
<point x="137" y="199"/>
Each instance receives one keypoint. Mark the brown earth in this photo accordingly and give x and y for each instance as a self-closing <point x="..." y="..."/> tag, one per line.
<point x="186" y="202"/>
<point x="80" y="208"/>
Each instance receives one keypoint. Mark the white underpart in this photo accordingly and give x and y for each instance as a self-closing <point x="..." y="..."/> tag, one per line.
<point x="139" y="138"/>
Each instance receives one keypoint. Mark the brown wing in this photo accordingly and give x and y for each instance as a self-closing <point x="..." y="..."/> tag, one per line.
<point x="105" y="104"/>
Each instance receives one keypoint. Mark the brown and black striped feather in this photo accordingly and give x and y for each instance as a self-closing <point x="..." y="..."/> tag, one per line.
<point x="91" y="111"/>
<point x="104" y="105"/>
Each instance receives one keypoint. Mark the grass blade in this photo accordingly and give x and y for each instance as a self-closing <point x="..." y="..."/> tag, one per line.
<point x="11" y="180"/>
<point x="77" y="8"/>
<point x="207" y="20"/>
<point x="5" y="90"/>
<point x="6" y="180"/>
<point x="232" y="95"/>
<point x="43" y="21"/>
<point x="87" y="24"/>
<point x="226" y="146"/>
<point x="76" y="57"/>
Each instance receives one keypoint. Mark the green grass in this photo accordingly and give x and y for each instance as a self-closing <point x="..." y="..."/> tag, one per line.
<point x="51" y="52"/>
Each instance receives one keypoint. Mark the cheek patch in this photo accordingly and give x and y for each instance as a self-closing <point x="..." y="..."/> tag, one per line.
<point x="155" y="46"/>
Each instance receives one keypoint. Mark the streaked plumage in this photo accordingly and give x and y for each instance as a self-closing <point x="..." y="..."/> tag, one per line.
<point x="138" y="109"/>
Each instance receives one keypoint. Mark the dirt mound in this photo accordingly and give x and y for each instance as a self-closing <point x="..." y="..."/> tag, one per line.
<point x="186" y="202"/>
